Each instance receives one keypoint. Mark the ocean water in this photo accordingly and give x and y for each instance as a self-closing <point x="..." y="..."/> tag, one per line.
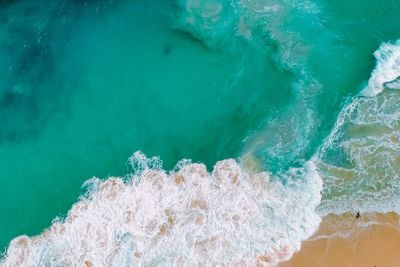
<point x="254" y="118"/>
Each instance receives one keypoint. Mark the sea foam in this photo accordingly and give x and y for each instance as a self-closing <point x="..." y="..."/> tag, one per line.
<point x="186" y="217"/>
<point x="360" y="159"/>
<point x="387" y="71"/>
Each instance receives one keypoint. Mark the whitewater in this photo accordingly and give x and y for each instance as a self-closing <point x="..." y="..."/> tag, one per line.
<point x="231" y="216"/>
<point x="241" y="213"/>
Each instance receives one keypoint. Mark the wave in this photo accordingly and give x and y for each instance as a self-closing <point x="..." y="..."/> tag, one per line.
<point x="235" y="214"/>
<point x="186" y="217"/>
<point x="232" y="215"/>
<point x="387" y="71"/>
<point x="360" y="160"/>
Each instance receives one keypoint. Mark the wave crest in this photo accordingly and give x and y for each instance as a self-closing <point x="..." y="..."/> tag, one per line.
<point x="387" y="71"/>
<point x="186" y="217"/>
<point x="360" y="161"/>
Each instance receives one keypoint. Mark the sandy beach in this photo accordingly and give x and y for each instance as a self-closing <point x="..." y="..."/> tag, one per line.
<point x="345" y="240"/>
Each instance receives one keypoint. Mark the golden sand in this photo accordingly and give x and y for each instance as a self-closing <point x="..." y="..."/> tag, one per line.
<point x="371" y="240"/>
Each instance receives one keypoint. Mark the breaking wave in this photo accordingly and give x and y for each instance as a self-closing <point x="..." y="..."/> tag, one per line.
<point x="386" y="74"/>
<point x="360" y="160"/>
<point x="236" y="214"/>
<point x="186" y="217"/>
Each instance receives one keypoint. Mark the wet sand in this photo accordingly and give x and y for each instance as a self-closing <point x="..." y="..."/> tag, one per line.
<point x="372" y="240"/>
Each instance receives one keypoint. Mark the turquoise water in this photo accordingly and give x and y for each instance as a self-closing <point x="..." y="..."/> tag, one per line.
<point x="122" y="79"/>
<point x="84" y="85"/>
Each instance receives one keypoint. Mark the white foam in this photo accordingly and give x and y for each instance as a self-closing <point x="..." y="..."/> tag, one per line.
<point x="186" y="218"/>
<point x="367" y="137"/>
<point x="387" y="68"/>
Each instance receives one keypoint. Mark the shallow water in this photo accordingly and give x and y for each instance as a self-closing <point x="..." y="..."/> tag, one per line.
<point x="371" y="240"/>
<point x="270" y="83"/>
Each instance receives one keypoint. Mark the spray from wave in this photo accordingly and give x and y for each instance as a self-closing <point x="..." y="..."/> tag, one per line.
<point x="387" y="72"/>
<point x="186" y="217"/>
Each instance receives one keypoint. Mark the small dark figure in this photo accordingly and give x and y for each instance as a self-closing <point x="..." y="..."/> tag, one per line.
<point x="167" y="49"/>
<point x="358" y="215"/>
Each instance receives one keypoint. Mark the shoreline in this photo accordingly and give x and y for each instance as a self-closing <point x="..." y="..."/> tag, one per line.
<point x="372" y="239"/>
